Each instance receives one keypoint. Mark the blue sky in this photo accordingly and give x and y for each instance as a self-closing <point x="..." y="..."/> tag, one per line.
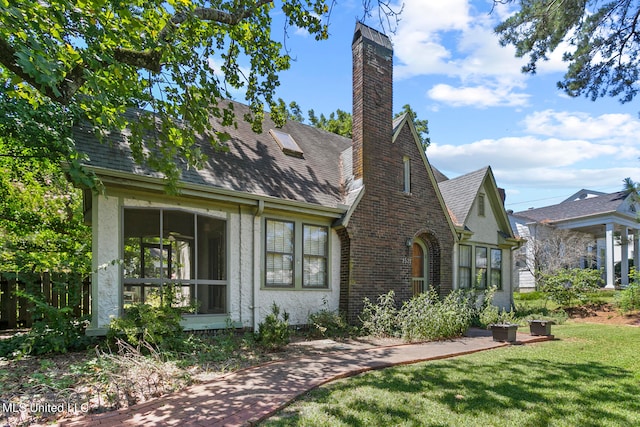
<point x="542" y="145"/>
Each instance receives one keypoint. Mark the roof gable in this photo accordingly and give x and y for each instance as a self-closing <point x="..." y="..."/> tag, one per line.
<point x="460" y="193"/>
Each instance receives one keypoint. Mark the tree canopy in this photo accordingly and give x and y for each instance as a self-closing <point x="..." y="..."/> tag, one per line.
<point x="95" y="59"/>
<point x="601" y="39"/>
<point x="340" y="122"/>
<point x="41" y="218"/>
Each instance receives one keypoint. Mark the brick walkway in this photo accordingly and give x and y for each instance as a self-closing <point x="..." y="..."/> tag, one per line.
<point x="244" y="397"/>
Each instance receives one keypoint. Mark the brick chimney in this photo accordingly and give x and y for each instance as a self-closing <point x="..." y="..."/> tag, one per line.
<point x="372" y="97"/>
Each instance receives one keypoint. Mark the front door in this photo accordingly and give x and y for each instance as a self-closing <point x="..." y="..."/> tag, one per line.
<point x="419" y="268"/>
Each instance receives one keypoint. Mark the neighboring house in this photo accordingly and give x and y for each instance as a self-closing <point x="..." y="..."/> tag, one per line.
<point x="611" y="220"/>
<point x="297" y="216"/>
<point x="485" y="239"/>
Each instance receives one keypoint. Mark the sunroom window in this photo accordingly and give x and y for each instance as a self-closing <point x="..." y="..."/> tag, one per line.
<point x="183" y="250"/>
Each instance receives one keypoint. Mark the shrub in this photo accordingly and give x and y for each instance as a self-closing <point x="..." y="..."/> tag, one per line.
<point x="157" y="325"/>
<point x="144" y="323"/>
<point x="273" y="333"/>
<point x="571" y="285"/>
<point x="558" y="316"/>
<point x="327" y="323"/>
<point x="381" y="319"/>
<point x="629" y="298"/>
<point x="57" y="330"/>
<point x="424" y="317"/>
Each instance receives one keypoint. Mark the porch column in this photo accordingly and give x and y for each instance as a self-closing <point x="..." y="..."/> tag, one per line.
<point x="624" y="263"/>
<point x="608" y="265"/>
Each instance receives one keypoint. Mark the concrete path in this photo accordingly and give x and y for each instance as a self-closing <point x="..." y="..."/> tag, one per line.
<point x="245" y="397"/>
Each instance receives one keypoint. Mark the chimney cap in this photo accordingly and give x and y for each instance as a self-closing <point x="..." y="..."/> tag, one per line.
<point x="371" y="34"/>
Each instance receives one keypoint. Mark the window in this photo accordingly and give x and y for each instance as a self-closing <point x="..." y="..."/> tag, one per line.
<point x="481" y="205"/>
<point x="315" y="256"/>
<point x="406" y="161"/>
<point x="481" y="267"/>
<point x="283" y="247"/>
<point x="495" y="273"/>
<point x="464" y="268"/>
<point x="287" y="144"/>
<point x="169" y="247"/>
<point x="279" y="254"/>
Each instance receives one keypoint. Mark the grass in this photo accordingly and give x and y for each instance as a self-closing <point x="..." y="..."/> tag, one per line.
<point x="589" y="376"/>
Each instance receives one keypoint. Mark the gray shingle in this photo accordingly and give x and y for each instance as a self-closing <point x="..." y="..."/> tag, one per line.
<point x="459" y="193"/>
<point x="253" y="163"/>
<point x="605" y="203"/>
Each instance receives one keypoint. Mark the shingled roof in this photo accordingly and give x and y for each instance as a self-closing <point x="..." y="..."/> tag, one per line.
<point x="254" y="163"/>
<point x="567" y="210"/>
<point x="459" y="193"/>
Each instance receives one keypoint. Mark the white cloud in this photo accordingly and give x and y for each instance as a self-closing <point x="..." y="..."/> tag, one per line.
<point x="450" y="38"/>
<point x="563" y="124"/>
<point x="477" y="96"/>
<point x="517" y="154"/>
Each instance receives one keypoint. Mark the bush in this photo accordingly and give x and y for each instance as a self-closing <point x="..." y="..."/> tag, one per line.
<point x="524" y="313"/>
<point x="143" y="323"/>
<point x="55" y="331"/>
<point x="427" y="317"/>
<point x="424" y="317"/>
<point x="380" y="320"/>
<point x="327" y="323"/>
<point x="273" y="333"/>
<point x="156" y="325"/>
<point x="629" y="298"/>
<point x="567" y="286"/>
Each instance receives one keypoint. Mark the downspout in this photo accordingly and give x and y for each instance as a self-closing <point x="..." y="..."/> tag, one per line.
<point x="240" y="262"/>
<point x="258" y="213"/>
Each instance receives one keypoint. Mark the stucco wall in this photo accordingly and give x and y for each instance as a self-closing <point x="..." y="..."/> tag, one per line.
<point x="106" y="296"/>
<point x="248" y="303"/>
<point x="300" y="303"/>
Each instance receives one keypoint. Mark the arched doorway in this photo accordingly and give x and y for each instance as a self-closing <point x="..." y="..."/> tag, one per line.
<point x="419" y="268"/>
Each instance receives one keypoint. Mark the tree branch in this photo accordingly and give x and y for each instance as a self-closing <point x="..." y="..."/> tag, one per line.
<point x="61" y="94"/>
<point x="209" y="14"/>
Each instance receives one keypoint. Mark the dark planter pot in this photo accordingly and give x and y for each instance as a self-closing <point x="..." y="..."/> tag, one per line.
<point x="540" y="327"/>
<point x="504" y="332"/>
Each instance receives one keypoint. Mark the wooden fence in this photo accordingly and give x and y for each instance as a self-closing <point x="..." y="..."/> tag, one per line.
<point x="58" y="290"/>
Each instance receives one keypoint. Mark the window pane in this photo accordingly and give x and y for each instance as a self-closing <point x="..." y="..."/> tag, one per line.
<point x="142" y="253"/>
<point x="212" y="244"/>
<point x="481" y="267"/>
<point x="496" y="268"/>
<point x="279" y="236"/>
<point x="179" y="233"/>
<point x="465" y="277"/>
<point x="212" y="299"/>
<point x="314" y="256"/>
<point x="481" y="257"/>
<point x="315" y="271"/>
<point x="496" y="258"/>
<point x="465" y="256"/>
<point x="279" y="270"/>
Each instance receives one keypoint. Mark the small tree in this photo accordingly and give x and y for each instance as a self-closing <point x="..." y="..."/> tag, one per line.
<point x="549" y="250"/>
<point x="566" y="286"/>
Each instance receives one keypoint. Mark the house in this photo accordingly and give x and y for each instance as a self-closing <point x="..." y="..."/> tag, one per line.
<point x="609" y="220"/>
<point x="485" y="239"/>
<point x="294" y="215"/>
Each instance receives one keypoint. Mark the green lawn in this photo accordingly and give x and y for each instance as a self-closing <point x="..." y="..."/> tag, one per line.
<point x="589" y="376"/>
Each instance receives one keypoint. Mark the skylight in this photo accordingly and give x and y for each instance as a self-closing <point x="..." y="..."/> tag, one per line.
<point x="286" y="143"/>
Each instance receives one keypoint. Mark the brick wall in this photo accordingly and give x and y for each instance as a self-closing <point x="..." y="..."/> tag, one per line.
<point x="374" y="242"/>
